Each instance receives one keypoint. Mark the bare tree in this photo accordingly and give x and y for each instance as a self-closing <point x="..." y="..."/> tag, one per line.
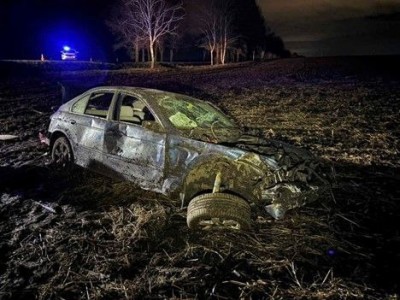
<point x="173" y="44"/>
<point x="217" y="28"/>
<point x="160" y="47"/>
<point x="149" y="20"/>
<point x="128" y="35"/>
<point x="210" y="23"/>
<point x="240" y="50"/>
<point x="225" y="32"/>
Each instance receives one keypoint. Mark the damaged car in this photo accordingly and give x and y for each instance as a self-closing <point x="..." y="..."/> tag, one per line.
<point x="186" y="149"/>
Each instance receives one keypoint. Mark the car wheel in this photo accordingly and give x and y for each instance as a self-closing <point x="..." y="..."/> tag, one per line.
<point x="61" y="153"/>
<point x="218" y="210"/>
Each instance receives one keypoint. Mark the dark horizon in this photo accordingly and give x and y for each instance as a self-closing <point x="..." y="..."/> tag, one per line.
<point x="336" y="28"/>
<point x="31" y="28"/>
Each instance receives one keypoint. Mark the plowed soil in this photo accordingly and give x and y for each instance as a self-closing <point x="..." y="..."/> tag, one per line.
<point x="70" y="234"/>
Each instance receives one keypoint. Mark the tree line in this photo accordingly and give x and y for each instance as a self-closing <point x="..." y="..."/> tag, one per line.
<point x="226" y="30"/>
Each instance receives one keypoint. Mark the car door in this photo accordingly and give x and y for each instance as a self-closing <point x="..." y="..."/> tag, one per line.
<point x="132" y="149"/>
<point x="89" y="117"/>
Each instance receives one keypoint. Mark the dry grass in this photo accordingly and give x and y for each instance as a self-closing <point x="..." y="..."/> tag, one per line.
<point x="111" y="240"/>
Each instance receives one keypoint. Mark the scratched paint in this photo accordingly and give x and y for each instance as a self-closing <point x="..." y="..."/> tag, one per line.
<point x="181" y="149"/>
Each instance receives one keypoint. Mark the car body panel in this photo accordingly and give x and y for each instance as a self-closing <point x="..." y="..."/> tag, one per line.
<point x="135" y="152"/>
<point x="160" y="157"/>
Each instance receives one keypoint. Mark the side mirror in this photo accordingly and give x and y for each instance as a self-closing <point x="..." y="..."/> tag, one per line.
<point x="153" y="126"/>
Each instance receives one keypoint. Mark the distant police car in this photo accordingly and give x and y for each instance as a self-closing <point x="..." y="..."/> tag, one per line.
<point x="68" y="54"/>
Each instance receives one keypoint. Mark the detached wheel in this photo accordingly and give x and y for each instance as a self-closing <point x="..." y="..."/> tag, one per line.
<point x="218" y="210"/>
<point x="61" y="153"/>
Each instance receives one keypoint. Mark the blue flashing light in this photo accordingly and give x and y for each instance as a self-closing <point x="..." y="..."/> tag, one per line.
<point x="331" y="252"/>
<point x="66" y="48"/>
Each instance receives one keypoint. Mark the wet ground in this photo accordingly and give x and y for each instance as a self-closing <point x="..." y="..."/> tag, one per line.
<point x="74" y="234"/>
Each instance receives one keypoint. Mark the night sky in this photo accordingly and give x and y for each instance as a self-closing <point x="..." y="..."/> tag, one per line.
<point x="308" y="27"/>
<point x="336" y="27"/>
<point x="32" y="27"/>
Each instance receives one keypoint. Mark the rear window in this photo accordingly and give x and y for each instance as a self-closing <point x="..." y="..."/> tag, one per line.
<point x="79" y="106"/>
<point x="98" y="104"/>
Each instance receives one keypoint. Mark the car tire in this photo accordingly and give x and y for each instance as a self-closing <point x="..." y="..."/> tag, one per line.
<point x="61" y="152"/>
<point x="218" y="211"/>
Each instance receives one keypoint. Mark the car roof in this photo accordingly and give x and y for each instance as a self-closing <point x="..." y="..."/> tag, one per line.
<point x="140" y="91"/>
<point x="128" y="89"/>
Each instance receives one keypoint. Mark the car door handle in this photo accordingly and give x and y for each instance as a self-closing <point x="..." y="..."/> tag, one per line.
<point x="73" y="122"/>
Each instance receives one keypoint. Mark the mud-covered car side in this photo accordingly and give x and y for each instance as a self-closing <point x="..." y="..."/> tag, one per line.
<point x="186" y="149"/>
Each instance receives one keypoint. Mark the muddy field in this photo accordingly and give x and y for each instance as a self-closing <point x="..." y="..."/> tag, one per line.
<point x="75" y="234"/>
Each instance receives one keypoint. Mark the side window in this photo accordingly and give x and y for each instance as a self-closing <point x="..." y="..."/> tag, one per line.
<point x="79" y="106"/>
<point x="133" y="110"/>
<point x="98" y="104"/>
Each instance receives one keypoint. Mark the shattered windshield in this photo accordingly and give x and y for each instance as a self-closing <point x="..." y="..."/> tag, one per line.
<point x="187" y="113"/>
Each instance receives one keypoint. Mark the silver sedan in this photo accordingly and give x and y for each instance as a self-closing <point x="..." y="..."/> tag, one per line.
<point x="186" y="149"/>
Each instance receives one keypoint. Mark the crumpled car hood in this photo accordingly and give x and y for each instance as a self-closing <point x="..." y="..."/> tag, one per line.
<point x="297" y="175"/>
<point x="275" y="149"/>
<point x="252" y="143"/>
